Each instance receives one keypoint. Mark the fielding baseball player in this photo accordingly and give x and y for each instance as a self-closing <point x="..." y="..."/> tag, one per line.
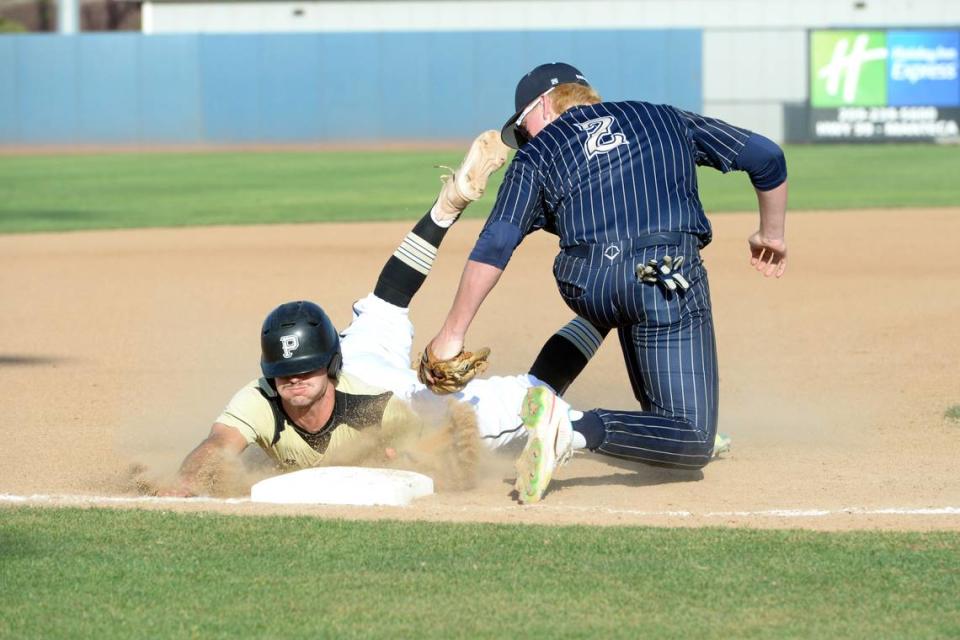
<point x="617" y="182"/>
<point x="322" y="391"/>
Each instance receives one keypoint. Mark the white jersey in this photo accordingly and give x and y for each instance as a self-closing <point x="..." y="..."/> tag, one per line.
<point x="376" y="349"/>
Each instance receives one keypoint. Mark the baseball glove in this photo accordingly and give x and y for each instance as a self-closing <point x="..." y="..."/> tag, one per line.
<point x="452" y="375"/>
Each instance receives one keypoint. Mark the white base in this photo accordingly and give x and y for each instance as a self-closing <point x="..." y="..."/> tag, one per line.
<point x="344" y="486"/>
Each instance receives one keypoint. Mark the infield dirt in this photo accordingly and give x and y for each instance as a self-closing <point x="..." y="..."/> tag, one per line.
<point x="123" y="346"/>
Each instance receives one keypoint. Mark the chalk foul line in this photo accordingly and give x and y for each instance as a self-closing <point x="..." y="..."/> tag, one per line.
<point x="92" y="500"/>
<point x="68" y="498"/>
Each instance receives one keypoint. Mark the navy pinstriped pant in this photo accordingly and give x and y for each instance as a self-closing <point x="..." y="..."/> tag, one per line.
<point x="668" y="345"/>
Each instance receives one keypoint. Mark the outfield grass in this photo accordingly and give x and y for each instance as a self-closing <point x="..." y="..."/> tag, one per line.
<point x="103" y="573"/>
<point x="53" y="193"/>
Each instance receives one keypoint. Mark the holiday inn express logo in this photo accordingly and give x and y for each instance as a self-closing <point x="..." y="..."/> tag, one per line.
<point x="884" y="68"/>
<point x="849" y="68"/>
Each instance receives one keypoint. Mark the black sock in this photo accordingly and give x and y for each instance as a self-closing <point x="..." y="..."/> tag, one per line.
<point x="407" y="268"/>
<point x="566" y="353"/>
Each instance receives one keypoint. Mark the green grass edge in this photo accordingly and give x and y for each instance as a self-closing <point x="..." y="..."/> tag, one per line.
<point x="113" y="573"/>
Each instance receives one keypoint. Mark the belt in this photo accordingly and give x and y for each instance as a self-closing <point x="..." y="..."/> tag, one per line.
<point x="613" y="250"/>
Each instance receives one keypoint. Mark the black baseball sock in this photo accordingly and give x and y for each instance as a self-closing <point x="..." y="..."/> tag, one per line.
<point x="407" y="268"/>
<point x="566" y="353"/>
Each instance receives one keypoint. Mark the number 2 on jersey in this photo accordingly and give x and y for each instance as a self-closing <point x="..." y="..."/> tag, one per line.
<point x="599" y="138"/>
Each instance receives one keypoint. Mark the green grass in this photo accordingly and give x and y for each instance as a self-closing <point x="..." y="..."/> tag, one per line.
<point x="40" y="193"/>
<point x="103" y="573"/>
<point x="953" y="413"/>
<point x="850" y="176"/>
<point x="55" y="193"/>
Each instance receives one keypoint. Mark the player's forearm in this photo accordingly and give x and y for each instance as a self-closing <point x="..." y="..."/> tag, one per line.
<point x="201" y="464"/>
<point x="773" y="212"/>
<point x="477" y="281"/>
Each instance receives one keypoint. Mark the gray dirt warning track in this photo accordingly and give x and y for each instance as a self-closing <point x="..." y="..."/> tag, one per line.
<point x="123" y="346"/>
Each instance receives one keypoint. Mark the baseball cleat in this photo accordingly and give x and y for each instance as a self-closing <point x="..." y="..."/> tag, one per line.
<point x="549" y="443"/>
<point x="487" y="153"/>
<point x="721" y="445"/>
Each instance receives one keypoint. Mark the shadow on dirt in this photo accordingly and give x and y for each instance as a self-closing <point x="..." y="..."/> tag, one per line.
<point x="635" y="474"/>
<point x="19" y="360"/>
<point x="637" y="478"/>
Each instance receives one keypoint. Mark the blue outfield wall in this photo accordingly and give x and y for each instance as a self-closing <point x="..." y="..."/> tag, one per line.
<point x="169" y="89"/>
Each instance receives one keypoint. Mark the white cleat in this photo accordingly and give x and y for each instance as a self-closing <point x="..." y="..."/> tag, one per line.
<point x="487" y="153"/>
<point x="549" y="443"/>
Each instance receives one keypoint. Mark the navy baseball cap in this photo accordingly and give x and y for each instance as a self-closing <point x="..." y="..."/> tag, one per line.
<point x="538" y="81"/>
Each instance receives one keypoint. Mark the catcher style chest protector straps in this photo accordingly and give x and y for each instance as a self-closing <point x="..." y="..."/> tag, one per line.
<point x="357" y="411"/>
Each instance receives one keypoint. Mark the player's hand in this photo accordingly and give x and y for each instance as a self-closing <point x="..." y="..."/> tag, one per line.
<point x="449" y="375"/>
<point x="444" y="347"/>
<point x="448" y="348"/>
<point x="768" y="256"/>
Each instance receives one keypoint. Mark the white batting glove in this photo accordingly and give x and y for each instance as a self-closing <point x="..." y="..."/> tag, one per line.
<point x="663" y="273"/>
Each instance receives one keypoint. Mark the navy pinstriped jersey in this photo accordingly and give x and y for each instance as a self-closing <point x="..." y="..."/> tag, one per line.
<point x="616" y="170"/>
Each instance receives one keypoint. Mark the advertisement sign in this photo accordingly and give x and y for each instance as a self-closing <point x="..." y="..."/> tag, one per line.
<point x="884" y="84"/>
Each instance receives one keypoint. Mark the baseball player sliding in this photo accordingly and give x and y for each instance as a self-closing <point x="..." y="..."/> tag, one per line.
<point x="617" y="182"/>
<point x="322" y="393"/>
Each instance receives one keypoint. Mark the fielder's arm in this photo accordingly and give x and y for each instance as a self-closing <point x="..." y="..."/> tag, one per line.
<point x="768" y="246"/>
<point x="477" y="281"/>
<point x="223" y="442"/>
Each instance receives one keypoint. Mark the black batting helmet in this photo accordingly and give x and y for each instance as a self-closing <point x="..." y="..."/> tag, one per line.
<point x="298" y="337"/>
